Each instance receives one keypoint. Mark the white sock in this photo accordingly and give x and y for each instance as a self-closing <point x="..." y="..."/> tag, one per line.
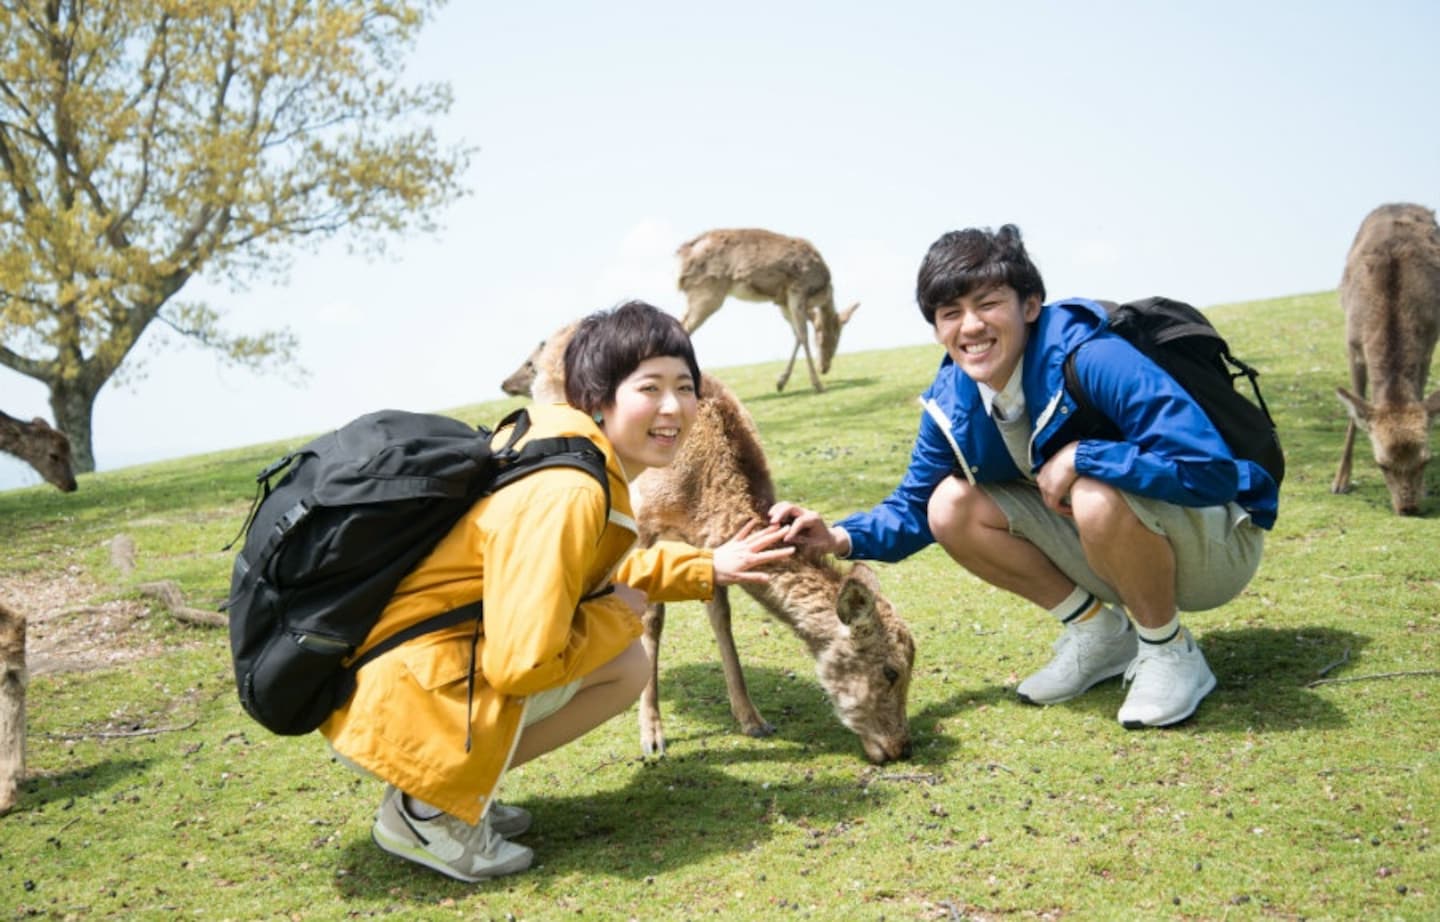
<point x="1162" y="634"/>
<point x="1080" y="605"/>
<point x="418" y="808"/>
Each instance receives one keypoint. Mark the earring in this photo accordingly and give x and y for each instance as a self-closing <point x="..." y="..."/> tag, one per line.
<point x="599" y="420"/>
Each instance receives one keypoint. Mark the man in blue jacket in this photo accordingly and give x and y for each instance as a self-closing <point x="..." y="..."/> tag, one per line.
<point x="1166" y="519"/>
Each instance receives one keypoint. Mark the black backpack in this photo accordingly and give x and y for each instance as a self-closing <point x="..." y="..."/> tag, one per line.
<point x="1182" y="341"/>
<point x="326" y="546"/>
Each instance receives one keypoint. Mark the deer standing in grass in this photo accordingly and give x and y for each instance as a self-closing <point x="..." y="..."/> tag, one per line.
<point x="12" y="706"/>
<point x="759" y="265"/>
<point x="1390" y="292"/>
<point x="720" y="480"/>
<point x="43" y="448"/>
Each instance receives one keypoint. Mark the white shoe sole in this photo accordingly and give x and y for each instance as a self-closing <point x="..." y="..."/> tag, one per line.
<point x="1042" y="702"/>
<point x="410" y="852"/>
<point x="1205" y="690"/>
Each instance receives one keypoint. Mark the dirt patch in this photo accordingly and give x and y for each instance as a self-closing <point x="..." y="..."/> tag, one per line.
<point x="67" y="631"/>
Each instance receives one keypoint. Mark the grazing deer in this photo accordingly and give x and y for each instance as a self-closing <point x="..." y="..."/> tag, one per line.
<point x="720" y="480"/>
<point x="12" y="706"/>
<point x="758" y="265"/>
<point x="43" y="448"/>
<point x="1390" y="292"/>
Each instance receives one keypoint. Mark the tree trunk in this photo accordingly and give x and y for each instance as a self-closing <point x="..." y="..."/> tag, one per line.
<point x="73" y="403"/>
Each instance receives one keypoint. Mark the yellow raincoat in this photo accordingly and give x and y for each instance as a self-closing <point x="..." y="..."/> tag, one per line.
<point x="531" y="551"/>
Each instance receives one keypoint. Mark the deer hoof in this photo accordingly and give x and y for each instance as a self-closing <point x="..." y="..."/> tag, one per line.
<point x="761" y="730"/>
<point x="653" y="750"/>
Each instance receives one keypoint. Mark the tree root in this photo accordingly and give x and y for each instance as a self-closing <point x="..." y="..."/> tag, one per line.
<point x="168" y="593"/>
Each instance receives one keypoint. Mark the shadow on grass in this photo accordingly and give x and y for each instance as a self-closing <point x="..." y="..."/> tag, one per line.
<point x="1261" y="674"/>
<point x="805" y="724"/>
<point x="41" y="790"/>
<point x="671" y="814"/>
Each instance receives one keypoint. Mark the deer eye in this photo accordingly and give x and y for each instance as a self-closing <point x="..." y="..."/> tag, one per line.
<point x="892" y="675"/>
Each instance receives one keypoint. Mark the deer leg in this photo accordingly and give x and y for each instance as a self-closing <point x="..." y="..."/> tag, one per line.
<point x="799" y="315"/>
<point x="785" y="375"/>
<point x="652" y="734"/>
<point x="1341" y="484"/>
<point x="1358" y="380"/>
<point x="12" y="707"/>
<point x="751" y="723"/>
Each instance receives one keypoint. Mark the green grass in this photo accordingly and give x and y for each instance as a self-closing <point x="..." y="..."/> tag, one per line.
<point x="151" y="795"/>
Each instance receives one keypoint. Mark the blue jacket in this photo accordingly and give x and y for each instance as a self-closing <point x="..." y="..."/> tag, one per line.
<point x="1171" y="451"/>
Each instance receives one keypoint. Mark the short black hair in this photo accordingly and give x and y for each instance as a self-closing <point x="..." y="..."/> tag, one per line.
<point x="609" y="345"/>
<point x="966" y="260"/>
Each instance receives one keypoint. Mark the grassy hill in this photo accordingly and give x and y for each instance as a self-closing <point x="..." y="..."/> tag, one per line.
<point x="151" y="795"/>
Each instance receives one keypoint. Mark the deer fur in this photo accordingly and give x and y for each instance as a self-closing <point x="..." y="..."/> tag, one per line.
<point x="759" y="265"/>
<point x="1390" y="292"/>
<point x="13" y="678"/>
<point x="720" y="480"/>
<point x="43" y="448"/>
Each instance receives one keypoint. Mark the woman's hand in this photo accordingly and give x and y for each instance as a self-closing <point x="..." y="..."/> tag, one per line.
<point x="735" y="560"/>
<point x="632" y="597"/>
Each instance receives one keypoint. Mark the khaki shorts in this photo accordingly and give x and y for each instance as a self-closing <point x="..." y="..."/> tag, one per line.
<point x="1217" y="548"/>
<point x="543" y="704"/>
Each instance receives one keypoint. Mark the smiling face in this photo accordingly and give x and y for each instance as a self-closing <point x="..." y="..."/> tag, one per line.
<point x="985" y="332"/>
<point x="653" y="410"/>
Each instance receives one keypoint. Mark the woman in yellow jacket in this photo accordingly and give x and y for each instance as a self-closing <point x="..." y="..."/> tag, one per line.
<point x="557" y="653"/>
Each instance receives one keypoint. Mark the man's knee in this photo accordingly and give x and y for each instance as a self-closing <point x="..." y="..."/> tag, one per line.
<point x="1100" y="510"/>
<point x="950" y="507"/>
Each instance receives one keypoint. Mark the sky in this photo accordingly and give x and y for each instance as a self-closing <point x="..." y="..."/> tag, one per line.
<point x="1216" y="152"/>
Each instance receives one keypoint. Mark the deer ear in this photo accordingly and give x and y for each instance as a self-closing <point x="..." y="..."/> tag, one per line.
<point x="1358" y="408"/>
<point x="848" y="312"/>
<point x="1432" y="406"/>
<point x="856" y="604"/>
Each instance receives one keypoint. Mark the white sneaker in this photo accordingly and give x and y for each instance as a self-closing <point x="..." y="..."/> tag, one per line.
<point x="445" y="843"/>
<point x="1085" y="654"/>
<point x="1168" y="682"/>
<point x="509" y="821"/>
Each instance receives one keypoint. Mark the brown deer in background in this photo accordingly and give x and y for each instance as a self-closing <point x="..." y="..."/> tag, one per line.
<point x="43" y="448"/>
<point x="758" y="265"/>
<point x="1390" y="292"/>
<point x="720" y="480"/>
<point x="12" y="706"/>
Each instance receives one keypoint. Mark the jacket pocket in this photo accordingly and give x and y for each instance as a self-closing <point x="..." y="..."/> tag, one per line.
<point x="436" y="663"/>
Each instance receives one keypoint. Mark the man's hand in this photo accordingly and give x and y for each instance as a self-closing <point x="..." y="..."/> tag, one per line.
<point x="805" y="528"/>
<point x="1056" y="478"/>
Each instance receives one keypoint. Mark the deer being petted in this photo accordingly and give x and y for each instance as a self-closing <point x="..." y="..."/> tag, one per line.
<point x="45" y="449"/>
<point x="1390" y="292"/>
<point x="759" y="265"/>
<point x="863" y="651"/>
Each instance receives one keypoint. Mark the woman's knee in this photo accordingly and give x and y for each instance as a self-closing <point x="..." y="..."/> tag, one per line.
<point x="627" y="673"/>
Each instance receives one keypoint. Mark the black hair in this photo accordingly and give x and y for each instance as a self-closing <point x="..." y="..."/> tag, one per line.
<point x="609" y="345"/>
<point x="976" y="258"/>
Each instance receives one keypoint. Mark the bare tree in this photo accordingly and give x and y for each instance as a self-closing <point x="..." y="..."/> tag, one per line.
<point x="142" y="142"/>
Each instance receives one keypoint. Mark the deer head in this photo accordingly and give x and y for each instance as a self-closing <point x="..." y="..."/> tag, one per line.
<point x="866" y="670"/>
<point x="827" y="326"/>
<point x="1399" y="438"/>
